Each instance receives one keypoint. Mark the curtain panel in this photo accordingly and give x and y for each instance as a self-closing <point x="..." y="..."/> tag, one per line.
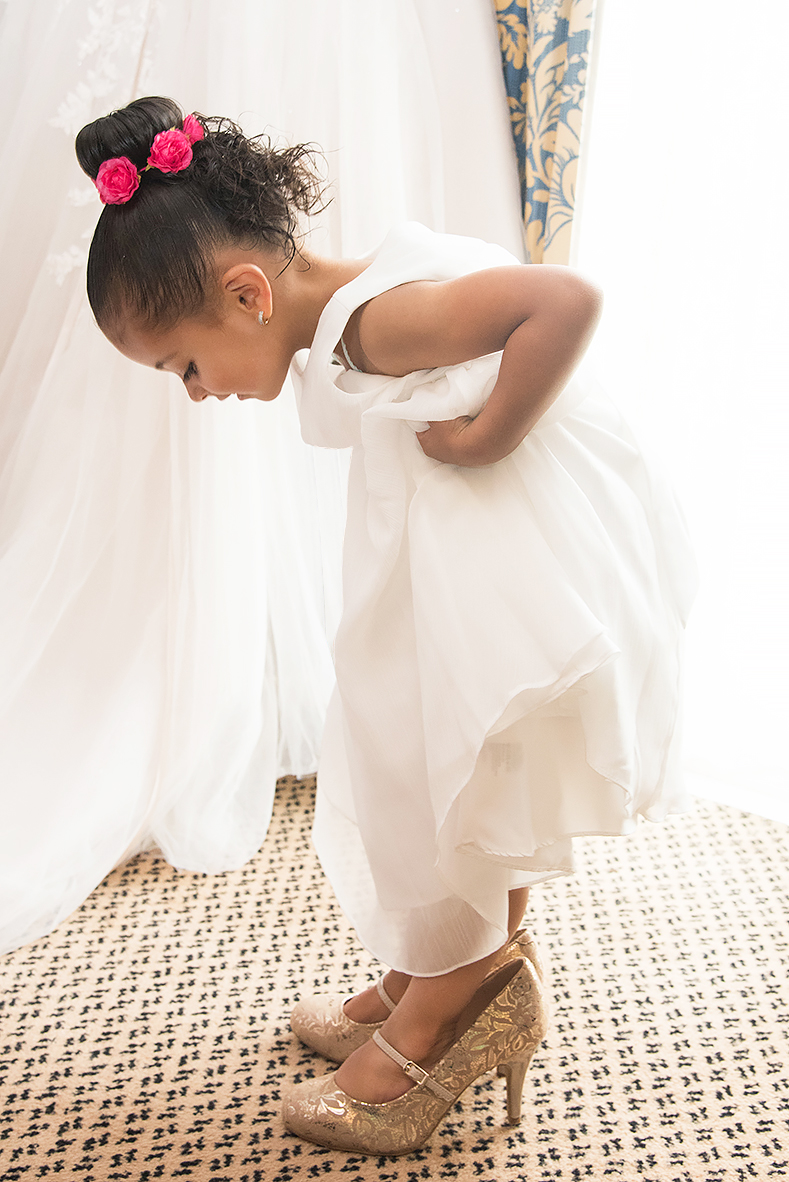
<point x="545" y="48"/>
<point x="170" y="573"/>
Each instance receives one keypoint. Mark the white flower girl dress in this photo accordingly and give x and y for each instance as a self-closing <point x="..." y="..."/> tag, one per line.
<point x="508" y="659"/>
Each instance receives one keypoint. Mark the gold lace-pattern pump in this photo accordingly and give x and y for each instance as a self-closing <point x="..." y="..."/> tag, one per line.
<point x="509" y="1026"/>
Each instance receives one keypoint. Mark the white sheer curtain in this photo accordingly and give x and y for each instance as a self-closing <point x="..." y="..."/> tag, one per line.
<point x="169" y="572"/>
<point x="682" y="218"/>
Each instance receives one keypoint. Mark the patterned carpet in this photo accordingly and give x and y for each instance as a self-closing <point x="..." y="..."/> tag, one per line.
<point x="147" y="1037"/>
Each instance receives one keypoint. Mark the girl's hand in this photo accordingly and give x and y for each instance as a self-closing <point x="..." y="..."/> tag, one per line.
<point x="448" y="441"/>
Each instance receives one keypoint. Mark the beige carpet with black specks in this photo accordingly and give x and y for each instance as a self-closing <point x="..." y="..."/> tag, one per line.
<point x="148" y="1036"/>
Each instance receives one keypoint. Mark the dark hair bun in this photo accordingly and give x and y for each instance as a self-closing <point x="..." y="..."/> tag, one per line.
<point x="152" y="256"/>
<point x="128" y="132"/>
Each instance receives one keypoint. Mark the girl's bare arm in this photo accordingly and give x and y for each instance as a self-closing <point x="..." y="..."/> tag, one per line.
<point x="541" y="316"/>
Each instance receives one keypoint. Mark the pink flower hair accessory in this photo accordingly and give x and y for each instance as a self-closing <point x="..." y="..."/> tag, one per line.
<point x="193" y="129"/>
<point x="171" y="151"/>
<point x="116" y="180"/>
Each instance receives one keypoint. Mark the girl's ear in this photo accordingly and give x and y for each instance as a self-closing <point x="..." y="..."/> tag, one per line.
<point x="245" y="286"/>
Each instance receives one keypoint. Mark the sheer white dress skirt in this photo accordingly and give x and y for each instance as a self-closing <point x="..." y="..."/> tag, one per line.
<point x="508" y="666"/>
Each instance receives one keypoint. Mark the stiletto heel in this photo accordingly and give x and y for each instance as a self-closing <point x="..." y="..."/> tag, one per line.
<point x="515" y="1075"/>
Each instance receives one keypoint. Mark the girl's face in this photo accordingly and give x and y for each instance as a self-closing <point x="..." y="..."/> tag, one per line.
<point x="213" y="359"/>
<point x="225" y="353"/>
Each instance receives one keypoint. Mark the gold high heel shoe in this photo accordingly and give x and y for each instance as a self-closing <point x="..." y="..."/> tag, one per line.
<point x="320" y="1022"/>
<point x="510" y="1023"/>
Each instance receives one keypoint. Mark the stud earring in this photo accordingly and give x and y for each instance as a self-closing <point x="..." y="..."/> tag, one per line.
<point x="261" y="320"/>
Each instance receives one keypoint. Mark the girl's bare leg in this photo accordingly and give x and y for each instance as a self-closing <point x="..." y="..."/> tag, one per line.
<point x="422" y="1027"/>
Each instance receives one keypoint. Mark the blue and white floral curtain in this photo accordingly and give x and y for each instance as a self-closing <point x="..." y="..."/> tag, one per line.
<point x="545" y="46"/>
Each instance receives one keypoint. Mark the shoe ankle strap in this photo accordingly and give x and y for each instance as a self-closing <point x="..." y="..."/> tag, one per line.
<point x="384" y="996"/>
<point x="412" y="1070"/>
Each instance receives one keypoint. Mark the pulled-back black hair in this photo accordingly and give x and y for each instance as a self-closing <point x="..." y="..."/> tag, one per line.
<point x="152" y="256"/>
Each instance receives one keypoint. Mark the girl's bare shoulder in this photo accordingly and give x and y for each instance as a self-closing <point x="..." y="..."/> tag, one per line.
<point x="427" y="323"/>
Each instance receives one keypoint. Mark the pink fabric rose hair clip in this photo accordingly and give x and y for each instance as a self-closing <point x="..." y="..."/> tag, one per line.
<point x="171" y="151"/>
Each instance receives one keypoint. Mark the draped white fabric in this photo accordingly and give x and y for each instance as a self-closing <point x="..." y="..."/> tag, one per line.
<point x="681" y="219"/>
<point x="169" y="573"/>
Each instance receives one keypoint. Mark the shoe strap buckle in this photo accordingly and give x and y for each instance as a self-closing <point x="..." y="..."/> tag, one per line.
<point x="415" y="1072"/>
<point x="412" y="1069"/>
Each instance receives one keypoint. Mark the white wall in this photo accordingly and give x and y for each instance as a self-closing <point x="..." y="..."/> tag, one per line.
<point x="683" y="220"/>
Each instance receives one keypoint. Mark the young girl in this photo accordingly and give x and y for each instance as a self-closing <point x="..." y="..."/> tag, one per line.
<point x="514" y="584"/>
